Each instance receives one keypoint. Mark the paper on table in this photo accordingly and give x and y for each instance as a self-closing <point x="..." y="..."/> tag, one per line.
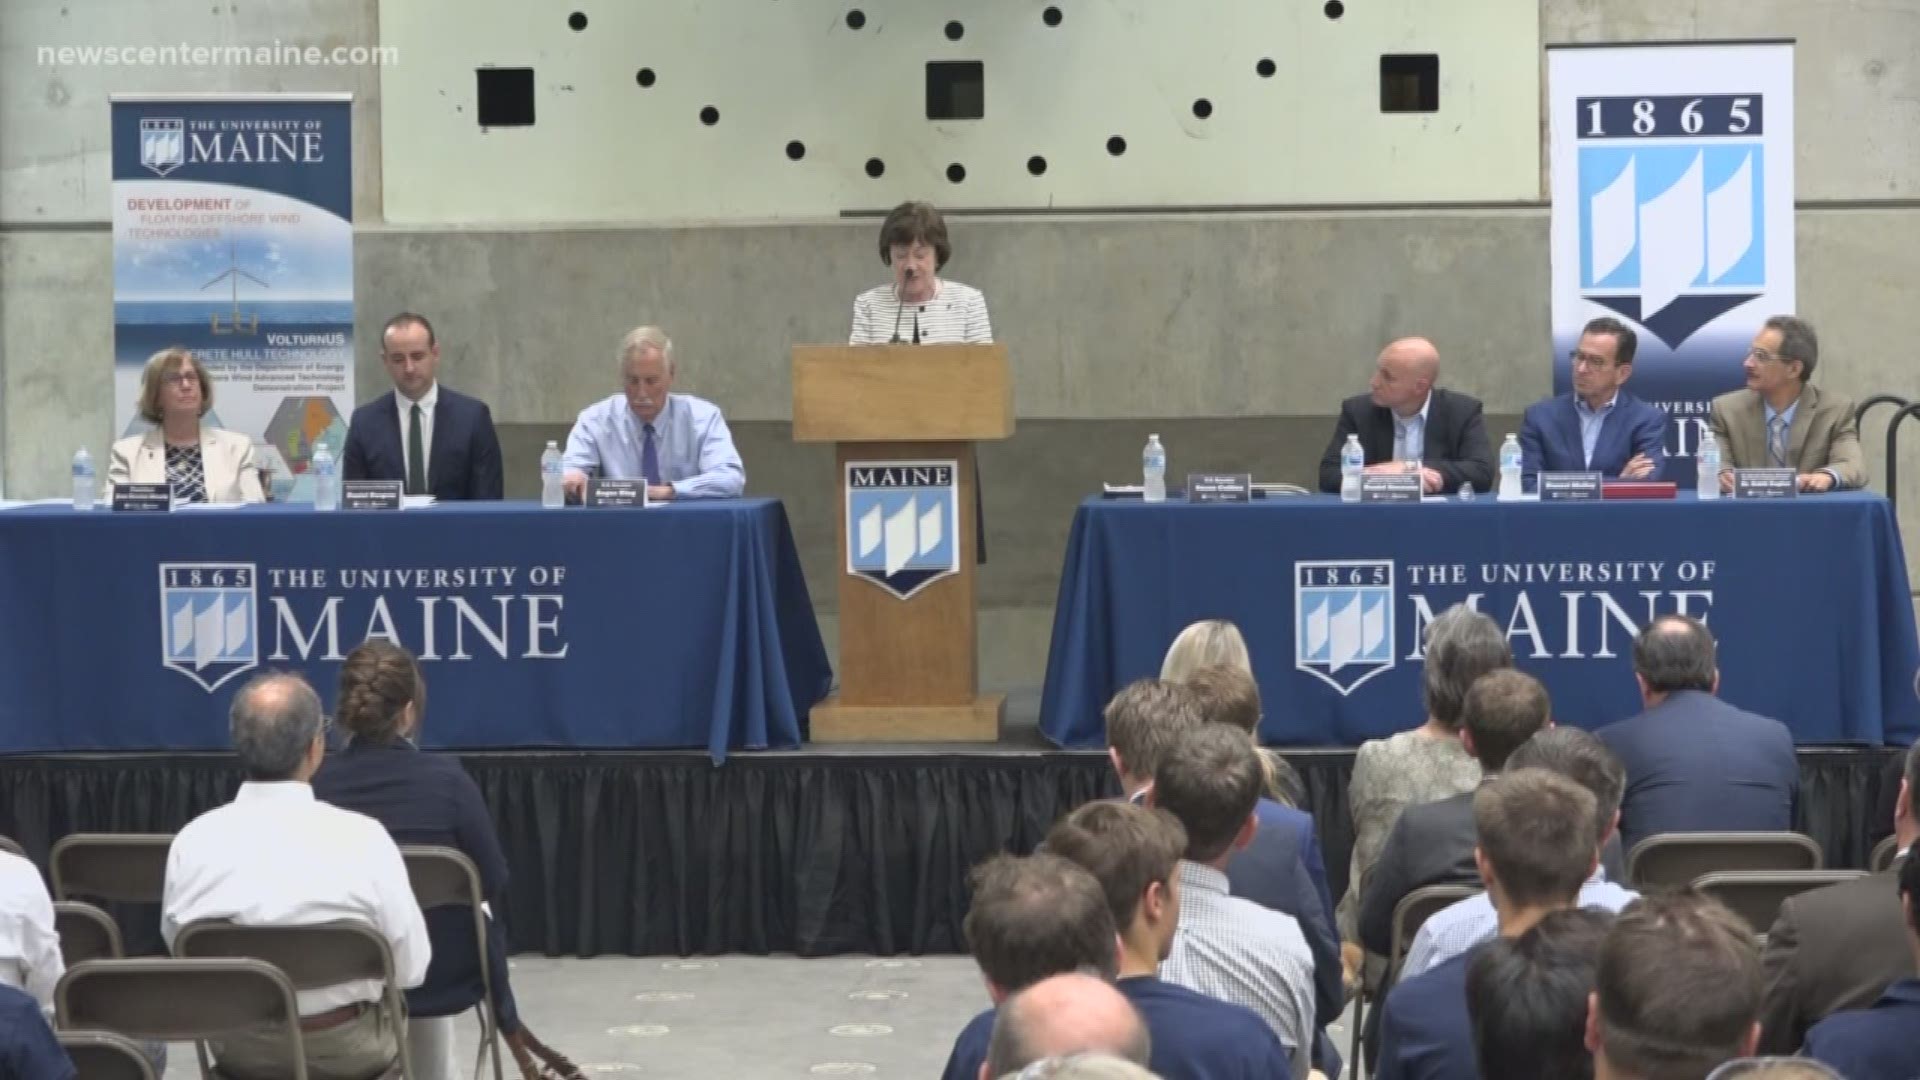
<point x="13" y="504"/>
<point x="206" y="505"/>
<point x="415" y="502"/>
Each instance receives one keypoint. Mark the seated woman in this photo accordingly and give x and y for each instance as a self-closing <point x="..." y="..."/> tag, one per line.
<point x="203" y="464"/>
<point x="427" y="799"/>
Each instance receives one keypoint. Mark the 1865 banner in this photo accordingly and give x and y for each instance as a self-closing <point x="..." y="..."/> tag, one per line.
<point x="1672" y="175"/>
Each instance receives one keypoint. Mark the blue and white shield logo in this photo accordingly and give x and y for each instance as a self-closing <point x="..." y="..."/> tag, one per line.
<point x="1343" y="620"/>
<point x="208" y="629"/>
<point x="163" y="144"/>
<point x="902" y="520"/>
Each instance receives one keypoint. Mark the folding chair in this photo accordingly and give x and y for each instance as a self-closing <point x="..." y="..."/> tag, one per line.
<point x="125" y="867"/>
<point x="12" y="847"/>
<point x="172" y="1000"/>
<point x="1756" y="895"/>
<point x="1670" y="860"/>
<point x="86" y="933"/>
<point x="102" y="1055"/>
<point x="311" y="957"/>
<point x="1883" y="855"/>
<point x="1413" y="910"/>
<point x="443" y="876"/>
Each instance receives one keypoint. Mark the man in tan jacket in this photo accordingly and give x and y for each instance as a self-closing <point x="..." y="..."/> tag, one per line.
<point x="1779" y="421"/>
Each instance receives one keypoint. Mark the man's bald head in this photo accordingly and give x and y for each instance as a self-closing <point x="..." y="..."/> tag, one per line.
<point x="1066" y="1014"/>
<point x="275" y="722"/>
<point x="1405" y="374"/>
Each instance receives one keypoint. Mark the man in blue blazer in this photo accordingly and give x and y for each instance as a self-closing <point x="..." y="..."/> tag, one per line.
<point x="437" y="441"/>
<point x="1597" y="426"/>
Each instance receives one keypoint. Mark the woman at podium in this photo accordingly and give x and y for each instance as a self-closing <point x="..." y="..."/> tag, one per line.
<point x="917" y="307"/>
<point x="203" y="464"/>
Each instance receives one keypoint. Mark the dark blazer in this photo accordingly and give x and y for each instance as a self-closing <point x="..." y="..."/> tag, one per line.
<point x="1455" y="445"/>
<point x="1876" y="1043"/>
<point x="1550" y="438"/>
<point x="464" y="462"/>
<point x="1695" y="763"/>
<point x="1426" y="1033"/>
<point x="1282" y="870"/>
<point x="1830" y="949"/>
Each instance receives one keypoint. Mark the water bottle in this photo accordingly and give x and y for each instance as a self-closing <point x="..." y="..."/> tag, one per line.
<point x="1353" y="461"/>
<point x="1466" y="491"/>
<point x="83" y="476"/>
<point x="552" y="493"/>
<point x="1510" y="459"/>
<point x="1709" y="461"/>
<point x="326" y="483"/>
<point x="1153" y="466"/>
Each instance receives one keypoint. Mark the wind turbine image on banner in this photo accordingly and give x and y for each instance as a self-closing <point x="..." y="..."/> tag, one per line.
<point x="236" y="323"/>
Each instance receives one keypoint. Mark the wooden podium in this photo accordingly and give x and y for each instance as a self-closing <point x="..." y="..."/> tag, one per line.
<point x="901" y="414"/>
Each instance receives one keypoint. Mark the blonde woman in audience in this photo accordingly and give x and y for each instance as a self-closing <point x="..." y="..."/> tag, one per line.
<point x="1205" y="644"/>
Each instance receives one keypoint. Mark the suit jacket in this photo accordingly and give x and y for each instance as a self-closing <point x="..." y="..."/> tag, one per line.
<point x="1550" y="438"/>
<point x="463" y="463"/>
<point x="1283" y="870"/>
<point x="1455" y="445"/>
<point x="1830" y="949"/>
<point x="1695" y="763"/>
<point x="232" y="473"/>
<point x="1823" y="434"/>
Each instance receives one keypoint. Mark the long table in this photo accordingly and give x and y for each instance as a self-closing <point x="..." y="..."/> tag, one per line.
<point x="684" y="625"/>
<point x="1809" y="599"/>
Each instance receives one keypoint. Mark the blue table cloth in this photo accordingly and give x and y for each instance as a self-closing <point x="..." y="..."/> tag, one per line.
<point x="684" y="625"/>
<point x="1808" y="597"/>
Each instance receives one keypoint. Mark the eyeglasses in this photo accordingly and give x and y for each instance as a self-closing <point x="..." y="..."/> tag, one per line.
<point x="1762" y="355"/>
<point x="1589" y="360"/>
<point x="180" y="378"/>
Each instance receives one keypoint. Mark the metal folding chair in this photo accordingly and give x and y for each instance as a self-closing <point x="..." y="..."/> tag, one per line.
<point x="1670" y="860"/>
<point x="1756" y="895"/>
<point x="122" y="867"/>
<point x="442" y="876"/>
<point x="102" y="1055"/>
<point x="1883" y="855"/>
<point x="86" y="933"/>
<point x="1412" y="912"/>
<point x="172" y="1000"/>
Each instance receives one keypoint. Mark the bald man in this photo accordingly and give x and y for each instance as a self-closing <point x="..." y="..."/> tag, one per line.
<point x="1065" y="1014"/>
<point x="1405" y="419"/>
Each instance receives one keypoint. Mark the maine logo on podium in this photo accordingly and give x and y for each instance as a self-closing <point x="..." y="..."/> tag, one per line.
<point x="163" y="144"/>
<point x="902" y="523"/>
<point x="1343" y="620"/>
<point x="207" y="620"/>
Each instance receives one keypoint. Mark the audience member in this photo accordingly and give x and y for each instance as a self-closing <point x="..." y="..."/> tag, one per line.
<point x="1838" y="947"/>
<point x="1535" y="847"/>
<point x="1583" y="759"/>
<point x="1207" y="643"/>
<point x="1235" y="700"/>
<point x="1146" y="719"/>
<point x="1695" y="763"/>
<point x="1030" y="919"/>
<point x="276" y="856"/>
<point x="1527" y="998"/>
<point x="1773" y="1068"/>
<point x="1063" y="1015"/>
<point x="1135" y="854"/>
<point x="1881" y="1042"/>
<point x="1676" y="992"/>
<point x="1228" y="947"/>
<point x="29" y="944"/>
<point x="1089" y="1066"/>
<point x="28" y="1048"/>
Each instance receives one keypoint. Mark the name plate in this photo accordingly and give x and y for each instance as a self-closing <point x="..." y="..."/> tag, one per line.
<point x="1219" y="487"/>
<point x="601" y="492"/>
<point x="1390" y="488"/>
<point x="1765" y="483"/>
<point x="370" y="494"/>
<point x="1569" y="486"/>
<point x="143" y="498"/>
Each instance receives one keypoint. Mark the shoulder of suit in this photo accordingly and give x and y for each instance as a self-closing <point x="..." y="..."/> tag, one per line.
<point x="1465" y="401"/>
<point x="1734" y="399"/>
<point x="1826" y="402"/>
<point x="221" y="436"/>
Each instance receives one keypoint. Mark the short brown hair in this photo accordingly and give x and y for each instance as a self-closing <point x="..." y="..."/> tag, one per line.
<point x="1125" y="847"/>
<point x="1037" y="916"/>
<point x="1581" y="757"/>
<point x="377" y="682"/>
<point x="1502" y="709"/>
<point x="1227" y="695"/>
<point x="160" y="364"/>
<point x="1146" y="719"/>
<point x="915" y="222"/>
<point x="1678" y="987"/>
<point x="1211" y="782"/>
<point x="1535" y="829"/>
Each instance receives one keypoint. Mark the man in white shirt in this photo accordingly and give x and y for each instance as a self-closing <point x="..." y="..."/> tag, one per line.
<point x="277" y="857"/>
<point x="29" y="944"/>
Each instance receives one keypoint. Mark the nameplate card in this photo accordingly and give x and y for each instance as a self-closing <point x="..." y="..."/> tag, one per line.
<point x="370" y="494"/>
<point x="143" y="498"/>
<point x="1765" y="483"/>
<point x="1390" y="488"/>
<point x="1569" y="486"/>
<point x="1205" y="487"/>
<point x="602" y="492"/>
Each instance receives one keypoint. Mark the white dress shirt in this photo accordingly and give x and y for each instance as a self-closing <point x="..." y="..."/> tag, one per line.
<point x="1410" y="433"/>
<point x="275" y="856"/>
<point x="29" y="945"/>
<point x="401" y="404"/>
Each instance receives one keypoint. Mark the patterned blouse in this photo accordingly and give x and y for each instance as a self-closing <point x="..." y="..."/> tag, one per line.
<point x="186" y="473"/>
<point x="1390" y="775"/>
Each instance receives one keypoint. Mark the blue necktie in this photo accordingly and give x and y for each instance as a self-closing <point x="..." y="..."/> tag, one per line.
<point x="1777" y="442"/>
<point x="649" y="456"/>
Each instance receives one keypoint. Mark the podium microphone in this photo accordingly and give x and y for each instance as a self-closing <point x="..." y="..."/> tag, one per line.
<point x="899" y="309"/>
<point x="916" y="323"/>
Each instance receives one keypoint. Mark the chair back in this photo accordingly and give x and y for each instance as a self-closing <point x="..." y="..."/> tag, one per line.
<point x="312" y="957"/>
<point x="443" y="876"/>
<point x="1756" y="895"/>
<point x="1412" y="912"/>
<point x="1670" y="860"/>
<point x="102" y="1055"/>
<point x="1883" y="855"/>
<point x="127" y="867"/>
<point x="12" y="847"/>
<point x="86" y="933"/>
<point x="173" y="1000"/>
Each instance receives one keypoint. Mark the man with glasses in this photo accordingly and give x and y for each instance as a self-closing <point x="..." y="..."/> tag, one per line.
<point x="1597" y="426"/>
<point x="1779" y="421"/>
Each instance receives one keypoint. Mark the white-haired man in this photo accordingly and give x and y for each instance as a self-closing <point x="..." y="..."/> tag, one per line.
<point x="678" y="443"/>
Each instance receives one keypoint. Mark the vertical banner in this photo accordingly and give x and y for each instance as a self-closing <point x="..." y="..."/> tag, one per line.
<point x="233" y="238"/>
<point x="1672" y="175"/>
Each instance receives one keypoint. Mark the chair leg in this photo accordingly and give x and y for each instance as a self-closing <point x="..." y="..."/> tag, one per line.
<point x="489" y="1040"/>
<point x="1359" y="1023"/>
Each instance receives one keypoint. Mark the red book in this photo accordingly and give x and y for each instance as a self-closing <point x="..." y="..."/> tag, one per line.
<point x="1638" y="489"/>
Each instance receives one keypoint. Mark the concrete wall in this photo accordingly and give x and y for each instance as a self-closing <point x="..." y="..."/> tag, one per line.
<point x="1233" y="336"/>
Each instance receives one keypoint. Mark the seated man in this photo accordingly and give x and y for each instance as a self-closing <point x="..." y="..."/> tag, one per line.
<point x="1878" y="1043"/>
<point x="1527" y="998"/>
<point x="1405" y="419"/>
<point x="1597" y="426"/>
<point x="28" y="1048"/>
<point x="438" y="441"/>
<point x="1060" y="1016"/>
<point x="275" y="856"/>
<point x="1779" y="421"/>
<point x="1676" y="992"/>
<point x="678" y="443"/>
<point x="29" y="944"/>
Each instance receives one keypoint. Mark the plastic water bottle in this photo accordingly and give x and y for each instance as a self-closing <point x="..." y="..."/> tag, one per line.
<point x="1153" y="466"/>
<point x="1709" y="462"/>
<point x="1466" y="491"/>
<point x="552" y="493"/>
<point x="326" y="482"/>
<point x="1510" y="459"/>
<point x="83" y="477"/>
<point x="1353" y="461"/>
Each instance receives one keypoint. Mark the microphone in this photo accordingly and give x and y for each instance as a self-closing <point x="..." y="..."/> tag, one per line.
<point x="899" y="309"/>
<point x="916" y="323"/>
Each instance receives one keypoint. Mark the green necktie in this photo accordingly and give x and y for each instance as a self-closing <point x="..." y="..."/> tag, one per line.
<point x="416" y="456"/>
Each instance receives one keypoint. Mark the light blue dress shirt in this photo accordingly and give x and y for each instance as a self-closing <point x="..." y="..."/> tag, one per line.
<point x="1591" y="421"/>
<point x="1410" y="433"/>
<point x="1455" y="929"/>
<point x="695" y="448"/>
